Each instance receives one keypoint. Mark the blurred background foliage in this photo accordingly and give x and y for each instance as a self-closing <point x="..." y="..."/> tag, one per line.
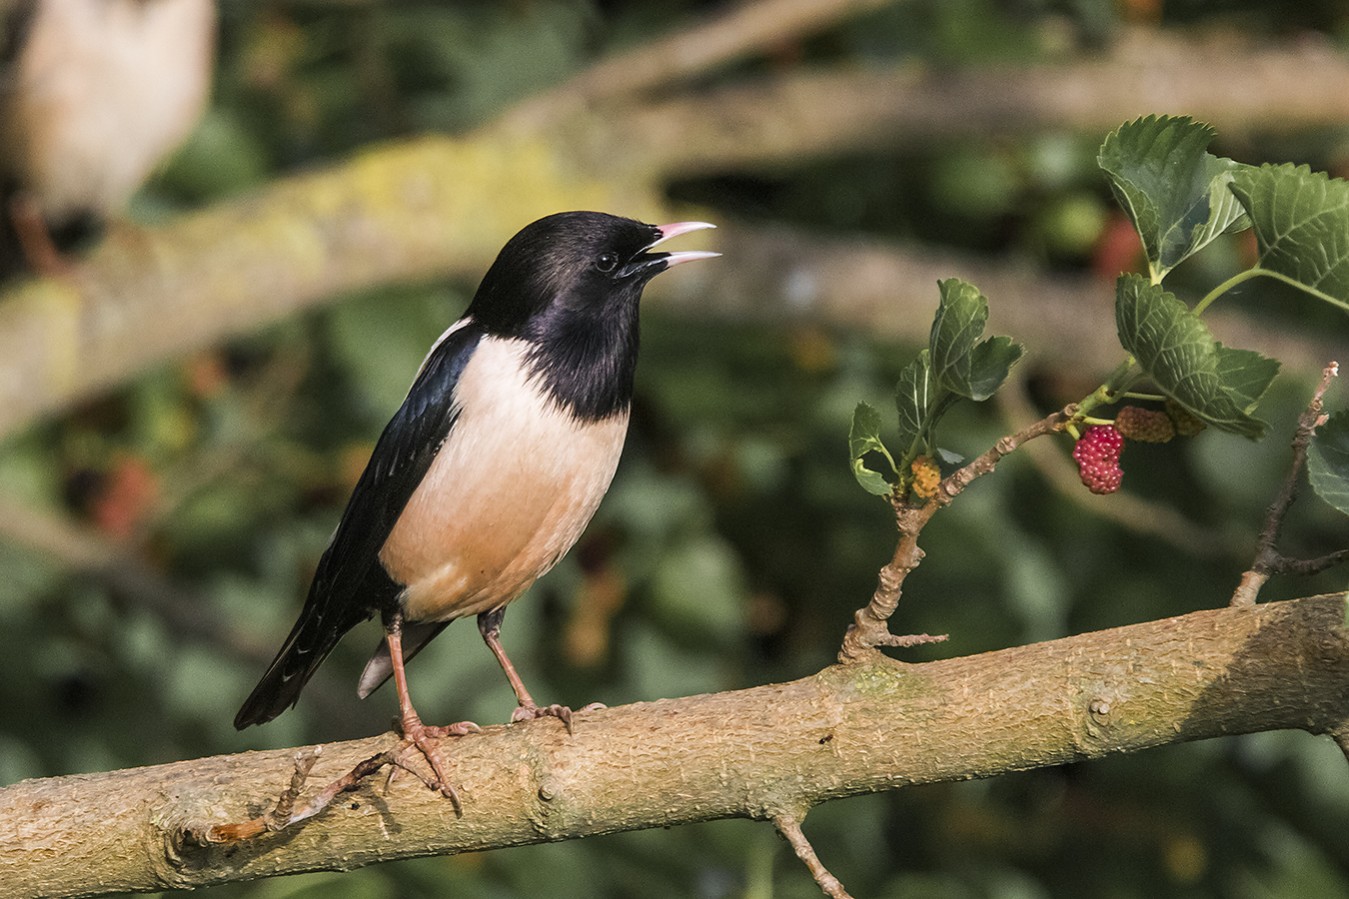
<point x="734" y="545"/>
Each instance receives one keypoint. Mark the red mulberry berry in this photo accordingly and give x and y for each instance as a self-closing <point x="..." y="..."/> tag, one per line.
<point x="1144" y="425"/>
<point x="1097" y="456"/>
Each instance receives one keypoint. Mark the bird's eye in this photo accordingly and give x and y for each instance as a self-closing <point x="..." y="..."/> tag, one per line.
<point x="606" y="262"/>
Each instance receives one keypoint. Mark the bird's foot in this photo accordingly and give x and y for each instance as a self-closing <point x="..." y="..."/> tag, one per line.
<point x="561" y="712"/>
<point x="426" y="739"/>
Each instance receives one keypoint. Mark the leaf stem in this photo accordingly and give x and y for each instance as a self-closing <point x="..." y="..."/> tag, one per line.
<point x="1149" y="397"/>
<point x="1122" y="378"/>
<point x="1257" y="271"/>
<point x="1302" y="286"/>
<point x="880" y="447"/>
<point x="1114" y="386"/>
<point x="1238" y="278"/>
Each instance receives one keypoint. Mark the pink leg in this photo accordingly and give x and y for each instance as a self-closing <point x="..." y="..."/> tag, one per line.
<point x="489" y="625"/>
<point x="425" y="739"/>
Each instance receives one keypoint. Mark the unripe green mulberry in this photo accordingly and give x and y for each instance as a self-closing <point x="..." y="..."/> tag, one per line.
<point x="1187" y="425"/>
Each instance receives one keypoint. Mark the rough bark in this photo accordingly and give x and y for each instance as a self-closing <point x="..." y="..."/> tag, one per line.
<point x="768" y="752"/>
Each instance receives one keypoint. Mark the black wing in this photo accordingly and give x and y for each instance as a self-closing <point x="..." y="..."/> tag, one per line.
<point x="350" y="585"/>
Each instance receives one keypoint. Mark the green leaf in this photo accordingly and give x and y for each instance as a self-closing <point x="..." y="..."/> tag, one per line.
<point x="1173" y="345"/>
<point x="956" y="328"/>
<point x="1301" y="221"/>
<point x="865" y="437"/>
<point x="1328" y="461"/>
<point x="1245" y="374"/>
<point x="1174" y="190"/>
<point x="960" y="362"/>
<point x="990" y="364"/>
<point x="917" y="397"/>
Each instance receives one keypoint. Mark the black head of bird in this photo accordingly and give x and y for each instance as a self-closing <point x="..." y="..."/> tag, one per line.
<point x="493" y="465"/>
<point x="570" y="285"/>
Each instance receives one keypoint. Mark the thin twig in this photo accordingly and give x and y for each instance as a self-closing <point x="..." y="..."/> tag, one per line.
<point x="272" y="821"/>
<point x="1268" y="560"/>
<point x="869" y="628"/>
<point x="304" y="763"/>
<point x="283" y="814"/>
<point x="904" y="641"/>
<point x="1307" y="567"/>
<point x="790" y="829"/>
<point x="350" y="781"/>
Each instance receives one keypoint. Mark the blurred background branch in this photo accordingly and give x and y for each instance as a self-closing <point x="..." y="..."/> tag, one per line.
<point x="438" y="206"/>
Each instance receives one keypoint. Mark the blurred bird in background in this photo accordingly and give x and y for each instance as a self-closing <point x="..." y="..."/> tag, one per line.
<point x="93" y="95"/>
<point x="491" y="468"/>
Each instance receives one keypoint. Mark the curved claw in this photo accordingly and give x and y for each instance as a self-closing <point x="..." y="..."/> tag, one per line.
<point x="561" y="712"/>
<point x="458" y="729"/>
<point x="530" y="712"/>
<point x="426" y="740"/>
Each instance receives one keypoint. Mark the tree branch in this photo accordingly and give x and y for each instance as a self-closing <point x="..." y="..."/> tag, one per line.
<point x="849" y="729"/>
<point x="888" y="289"/>
<point x="402" y="212"/>
<point x="220" y="273"/>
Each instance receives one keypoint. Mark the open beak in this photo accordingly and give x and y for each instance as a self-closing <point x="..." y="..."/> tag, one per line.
<point x="675" y="229"/>
<point x="647" y="259"/>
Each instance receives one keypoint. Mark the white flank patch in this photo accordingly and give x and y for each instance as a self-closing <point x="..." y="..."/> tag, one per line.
<point x="509" y="493"/>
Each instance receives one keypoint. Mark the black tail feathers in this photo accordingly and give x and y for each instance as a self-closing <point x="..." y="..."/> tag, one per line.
<point x="308" y="645"/>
